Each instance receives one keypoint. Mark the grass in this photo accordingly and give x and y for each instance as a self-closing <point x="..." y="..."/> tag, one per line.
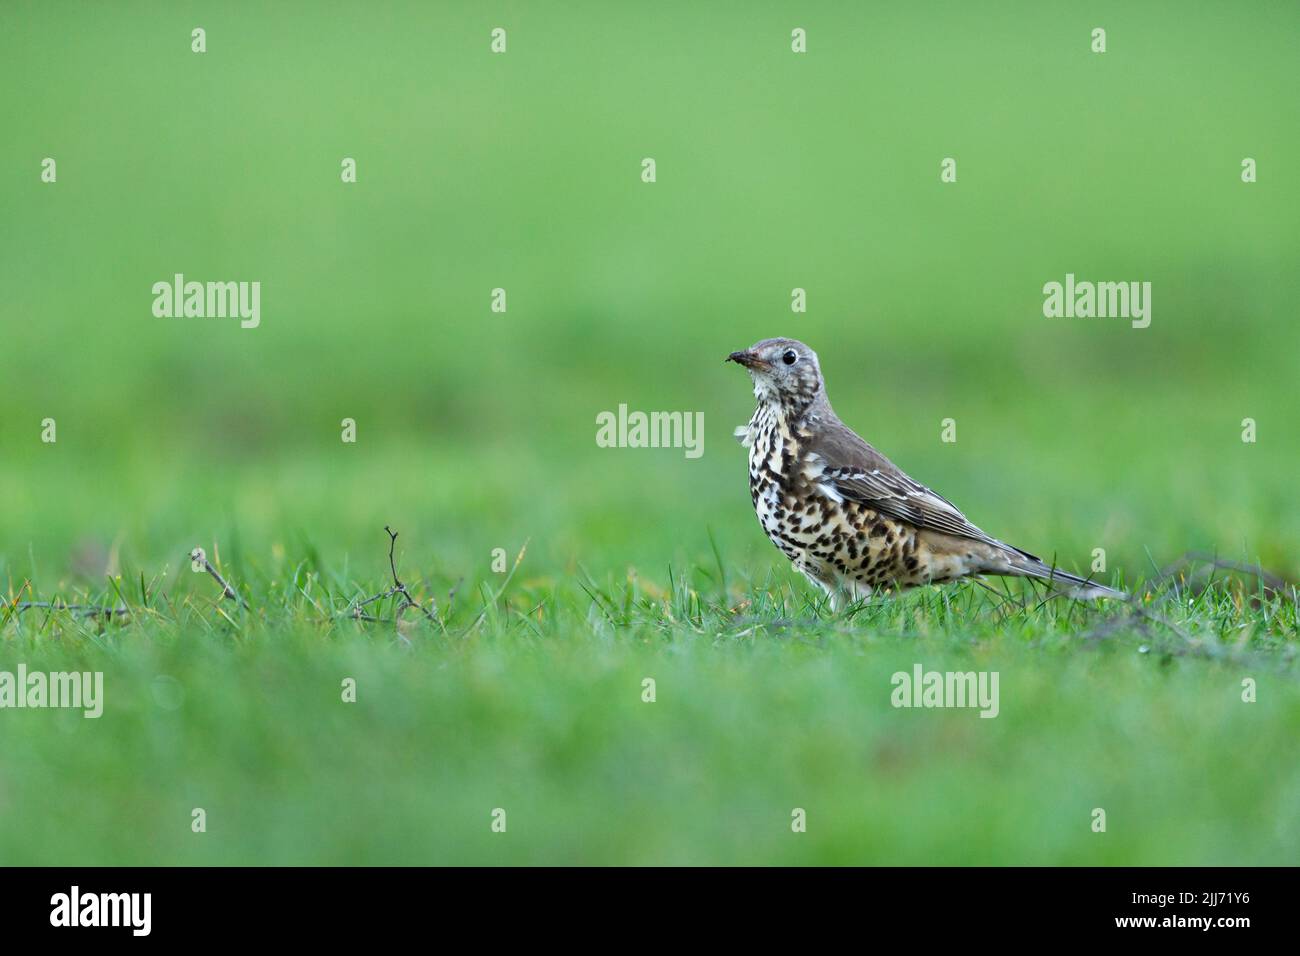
<point x="526" y="695"/>
<point x="475" y="429"/>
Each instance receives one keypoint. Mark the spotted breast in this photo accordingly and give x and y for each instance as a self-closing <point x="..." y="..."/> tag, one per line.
<point x="839" y="544"/>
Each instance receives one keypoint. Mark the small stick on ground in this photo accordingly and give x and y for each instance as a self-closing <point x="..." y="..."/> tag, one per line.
<point x="89" y="610"/>
<point x="354" y="610"/>
<point x="14" y="607"/>
<point x="398" y="586"/>
<point x="1141" y="615"/>
<point x="227" y="591"/>
<point x="1271" y="583"/>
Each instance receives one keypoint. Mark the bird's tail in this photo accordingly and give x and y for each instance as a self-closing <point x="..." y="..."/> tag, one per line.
<point x="1081" y="589"/>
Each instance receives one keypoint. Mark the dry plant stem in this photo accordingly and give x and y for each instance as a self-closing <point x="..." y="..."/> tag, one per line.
<point x="1272" y="583"/>
<point x="1140" y="617"/>
<point x="227" y="591"/>
<point x="89" y="610"/>
<point x="398" y="588"/>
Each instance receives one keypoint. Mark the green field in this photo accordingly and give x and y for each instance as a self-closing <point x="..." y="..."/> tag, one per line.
<point x="475" y="429"/>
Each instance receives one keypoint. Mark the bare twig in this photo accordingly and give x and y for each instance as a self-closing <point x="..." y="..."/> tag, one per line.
<point x="354" y="609"/>
<point x="1271" y="583"/>
<point x="88" y="610"/>
<point x="1141" y="616"/>
<point x="227" y="591"/>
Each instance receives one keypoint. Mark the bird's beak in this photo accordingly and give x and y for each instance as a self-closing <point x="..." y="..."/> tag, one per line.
<point x="747" y="359"/>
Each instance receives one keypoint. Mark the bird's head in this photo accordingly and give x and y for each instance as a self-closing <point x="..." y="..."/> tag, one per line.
<point x="785" y="371"/>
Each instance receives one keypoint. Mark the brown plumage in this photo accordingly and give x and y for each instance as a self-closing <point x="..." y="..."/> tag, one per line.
<point x="846" y="516"/>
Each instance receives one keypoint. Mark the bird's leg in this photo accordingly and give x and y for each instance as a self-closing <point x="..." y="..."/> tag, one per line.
<point x="841" y="592"/>
<point x="831" y="591"/>
<point x="848" y="592"/>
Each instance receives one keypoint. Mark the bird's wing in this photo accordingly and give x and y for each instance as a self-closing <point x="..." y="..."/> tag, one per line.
<point x="858" y="472"/>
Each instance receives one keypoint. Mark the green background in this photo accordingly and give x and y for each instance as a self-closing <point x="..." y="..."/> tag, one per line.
<point x="476" y="430"/>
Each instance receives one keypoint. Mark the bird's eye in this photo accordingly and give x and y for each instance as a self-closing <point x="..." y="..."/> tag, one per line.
<point x="790" y="357"/>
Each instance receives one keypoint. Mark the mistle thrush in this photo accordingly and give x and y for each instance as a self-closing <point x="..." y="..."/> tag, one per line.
<point x="847" y="517"/>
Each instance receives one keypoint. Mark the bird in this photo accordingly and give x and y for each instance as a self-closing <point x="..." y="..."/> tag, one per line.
<point x="849" y="519"/>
